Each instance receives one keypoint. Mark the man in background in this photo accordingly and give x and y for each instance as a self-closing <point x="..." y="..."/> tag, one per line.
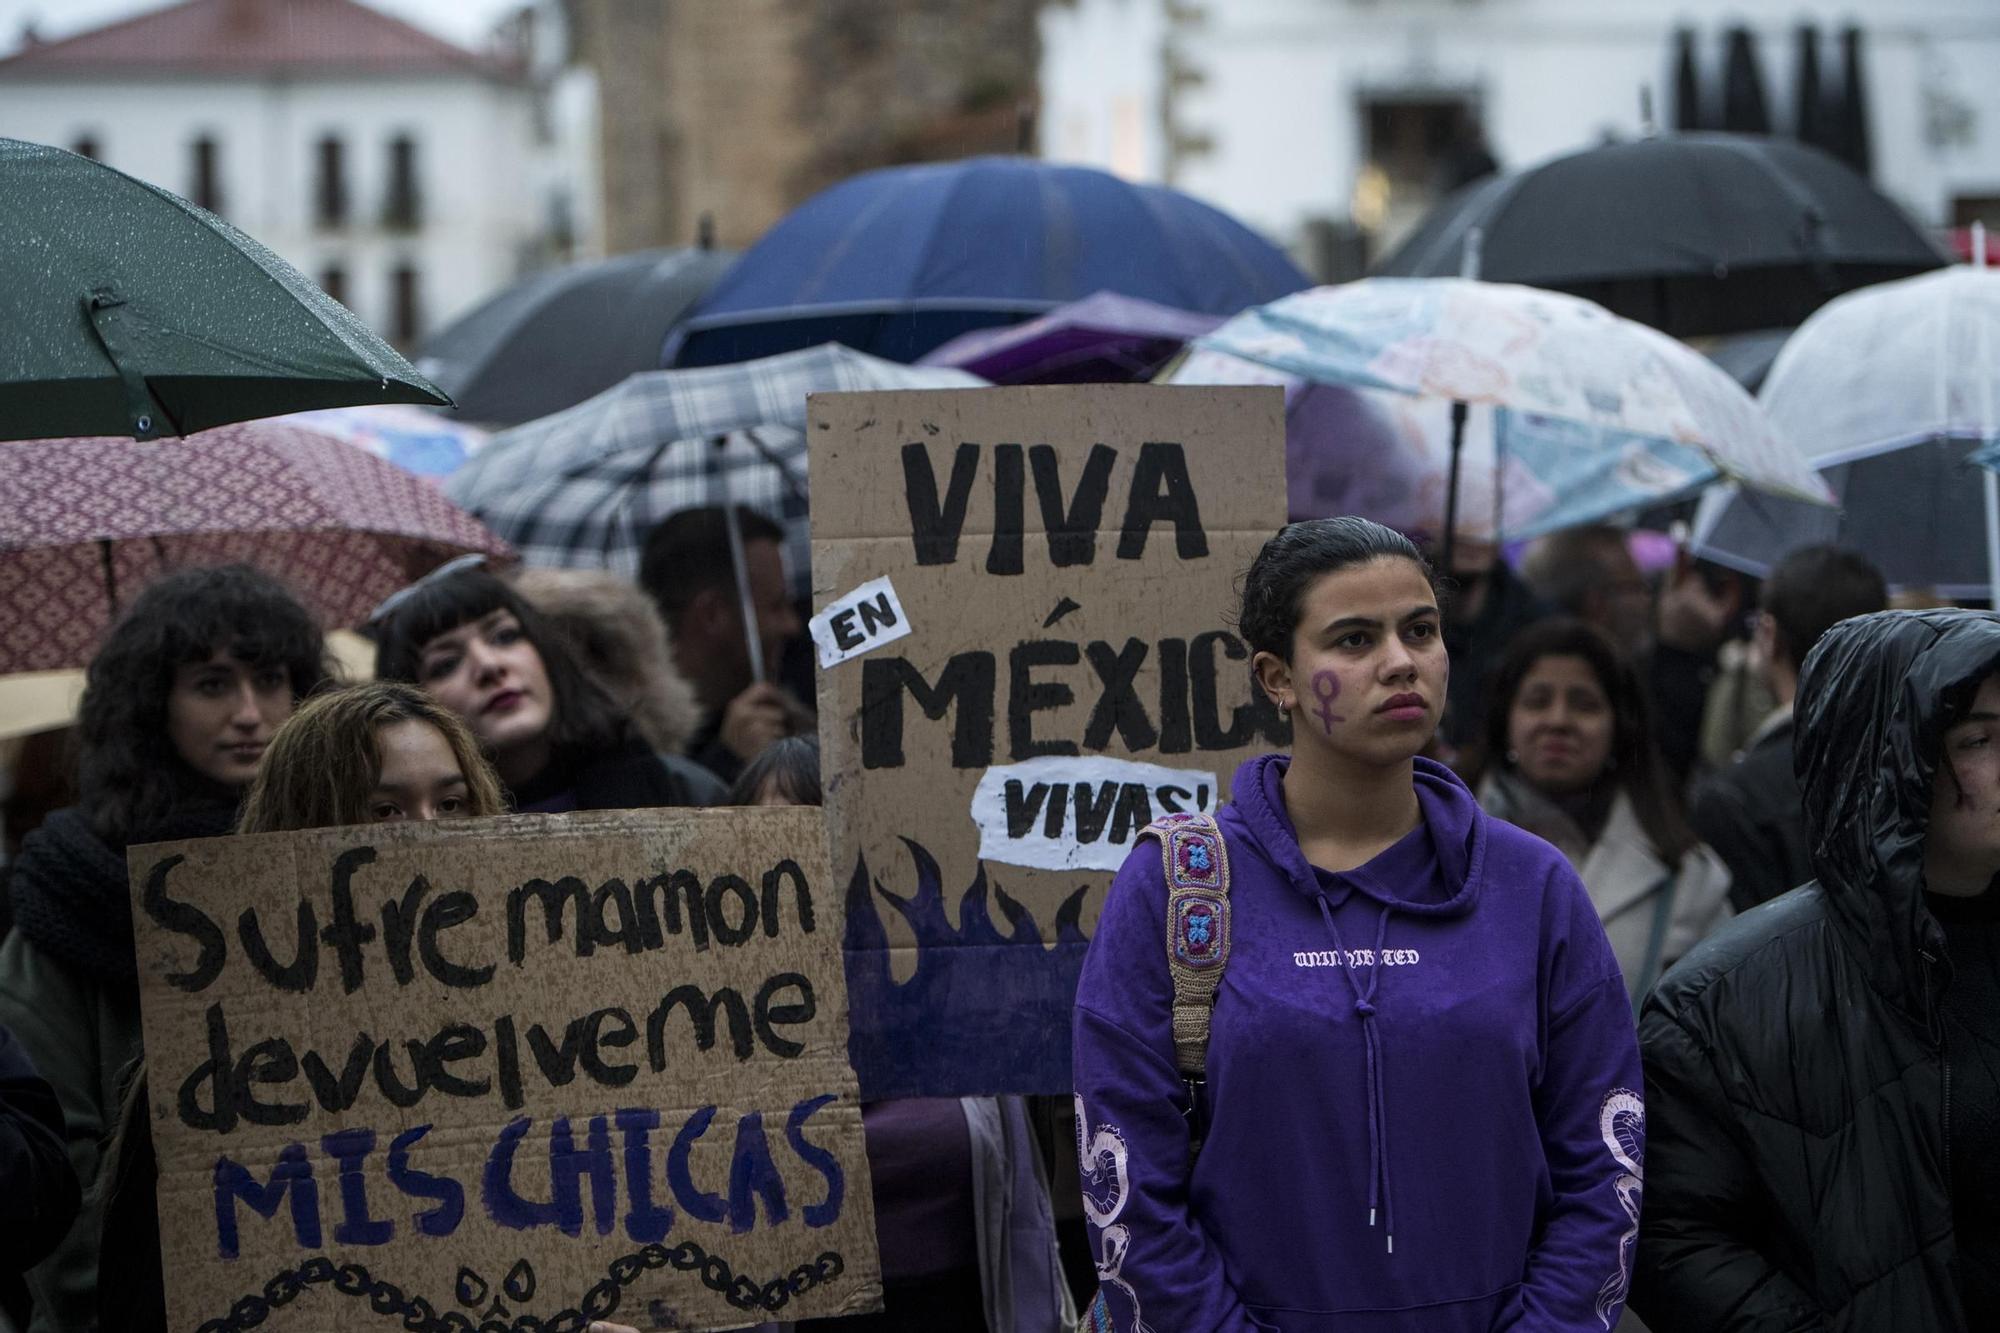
<point x="687" y="568"/>
<point x="1751" y="812"/>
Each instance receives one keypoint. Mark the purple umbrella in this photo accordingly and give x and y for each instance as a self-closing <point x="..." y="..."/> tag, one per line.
<point x="1104" y="338"/>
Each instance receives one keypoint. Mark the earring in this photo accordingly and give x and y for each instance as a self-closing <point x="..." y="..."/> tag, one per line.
<point x="1513" y="757"/>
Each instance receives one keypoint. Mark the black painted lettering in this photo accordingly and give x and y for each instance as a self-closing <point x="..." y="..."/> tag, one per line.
<point x="622" y="1033"/>
<point x="459" y="1041"/>
<point x="877" y="615"/>
<point x="453" y="909"/>
<point x="346" y="933"/>
<point x="769" y="1012"/>
<point x="218" y="1073"/>
<point x="1010" y="511"/>
<point x="507" y="1061"/>
<point x="1135" y="811"/>
<point x="966" y="684"/>
<point x="1176" y="727"/>
<point x="845" y="636"/>
<point x="935" y="526"/>
<point x="189" y="920"/>
<point x="720" y="892"/>
<point x="1073" y="531"/>
<point x="774" y="881"/>
<point x="1162" y="492"/>
<point x="613" y="893"/>
<point x="1026" y="696"/>
<point x="1023" y="807"/>
<point x="570" y="891"/>
<point x="338" y="1094"/>
<point x="296" y="977"/>
<point x="1093" y="809"/>
<point x="701" y="1012"/>
<point x="1118" y="706"/>
<point x="1209" y="733"/>
<point x="682" y="886"/>
<point x="270" y="1061"/>
<point x="557" y="1063"/>
<point x="399" y="926"/>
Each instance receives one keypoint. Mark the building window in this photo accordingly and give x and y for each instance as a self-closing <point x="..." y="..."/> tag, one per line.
<point x="86" y="145"/>
<point x="333" y="281"/>
<point x="207" y="190"/>
<point x="330" y="183"/>
<point x="406" y="306"/>
<point x="402" y="207"/>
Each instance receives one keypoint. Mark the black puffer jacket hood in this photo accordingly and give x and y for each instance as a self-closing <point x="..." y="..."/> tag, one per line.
<point x="1876" y="696"/>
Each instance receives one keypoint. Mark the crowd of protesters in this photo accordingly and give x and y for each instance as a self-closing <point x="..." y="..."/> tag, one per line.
<point x="1525" y="1008"/>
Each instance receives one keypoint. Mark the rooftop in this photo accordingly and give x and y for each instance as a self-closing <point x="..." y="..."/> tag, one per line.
<point x="253" y="37"/>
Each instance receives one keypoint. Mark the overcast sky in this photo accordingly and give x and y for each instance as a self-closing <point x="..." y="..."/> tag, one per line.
<point x="464" y="21"/>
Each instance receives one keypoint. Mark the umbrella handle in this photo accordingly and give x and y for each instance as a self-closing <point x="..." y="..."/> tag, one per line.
<point x="739" y="564"/>
<point x="1458" y="413"/>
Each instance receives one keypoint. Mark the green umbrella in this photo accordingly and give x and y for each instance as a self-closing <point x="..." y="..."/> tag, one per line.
<point x="126" y="310"/>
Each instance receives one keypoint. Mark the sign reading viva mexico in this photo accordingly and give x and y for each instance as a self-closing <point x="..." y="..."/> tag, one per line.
<point x="1026" y="656"/>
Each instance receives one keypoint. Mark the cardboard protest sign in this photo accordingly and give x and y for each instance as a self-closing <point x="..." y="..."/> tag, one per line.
<point x="1059" y="673"/>
<point x="503" y="1074"/>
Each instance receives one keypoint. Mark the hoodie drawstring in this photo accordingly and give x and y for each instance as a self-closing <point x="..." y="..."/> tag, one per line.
<point x="1378" y="1115"/>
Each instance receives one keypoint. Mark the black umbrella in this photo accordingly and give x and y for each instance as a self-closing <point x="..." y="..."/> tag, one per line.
<point x="1688" y="114"/>
<point x="559" y="337"/>
<point x="1744" y="109"/>
<point x="1691" y="233"/>
<point x="1851" y="124"/>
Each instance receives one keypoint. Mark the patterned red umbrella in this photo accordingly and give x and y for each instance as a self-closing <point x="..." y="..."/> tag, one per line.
<point x="85" y="523"/>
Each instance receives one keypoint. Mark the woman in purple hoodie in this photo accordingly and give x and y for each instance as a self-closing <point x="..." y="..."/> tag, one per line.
<point x="1421" y="1107"/>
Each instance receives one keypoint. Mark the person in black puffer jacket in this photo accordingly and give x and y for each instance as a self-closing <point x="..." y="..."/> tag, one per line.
<point x="178" y="706"/>
<point x="1823" y="1145"/>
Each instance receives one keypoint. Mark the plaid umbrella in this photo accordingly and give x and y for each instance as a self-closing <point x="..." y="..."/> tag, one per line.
<point x="582" y="488"/>
<point x="85" y="523"/>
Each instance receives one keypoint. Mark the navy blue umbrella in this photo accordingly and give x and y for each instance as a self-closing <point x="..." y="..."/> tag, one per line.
<point x="899" y="261"/>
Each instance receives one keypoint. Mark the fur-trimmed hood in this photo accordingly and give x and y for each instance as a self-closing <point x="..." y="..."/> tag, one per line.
<point x="620" y="639"/>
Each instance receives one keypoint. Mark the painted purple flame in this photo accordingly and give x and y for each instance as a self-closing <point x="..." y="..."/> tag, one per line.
<point x="984" y="1012"/>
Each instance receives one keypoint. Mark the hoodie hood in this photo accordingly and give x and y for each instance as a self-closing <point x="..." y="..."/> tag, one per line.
<point x="1433" y="871"/>
<point x="1876" y="696"/>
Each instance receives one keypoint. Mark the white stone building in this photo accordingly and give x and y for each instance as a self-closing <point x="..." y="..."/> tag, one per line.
<point x="408" y="176"/>
<point x="1326" y="122"/>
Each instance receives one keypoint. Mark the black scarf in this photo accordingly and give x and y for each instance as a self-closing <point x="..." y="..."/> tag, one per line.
<point x="70" y="891"/>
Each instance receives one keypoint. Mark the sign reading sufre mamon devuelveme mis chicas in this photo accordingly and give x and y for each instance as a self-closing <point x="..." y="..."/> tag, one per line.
<point x="504" y="1074"/>
<point x="1025" y="635"/>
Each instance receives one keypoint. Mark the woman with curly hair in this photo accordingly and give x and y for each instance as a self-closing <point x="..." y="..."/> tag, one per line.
<point x="178" y="708"/>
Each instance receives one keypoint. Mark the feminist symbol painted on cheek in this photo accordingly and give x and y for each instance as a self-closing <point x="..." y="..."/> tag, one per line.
<point x="1326" y="688"/>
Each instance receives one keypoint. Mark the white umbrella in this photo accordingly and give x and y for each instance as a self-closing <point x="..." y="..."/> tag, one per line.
<point x="1886" y="389"/>
<point x="1595" y="413"/>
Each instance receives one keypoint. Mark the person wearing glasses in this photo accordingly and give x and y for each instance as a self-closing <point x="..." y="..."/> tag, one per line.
<point x="465" y="637"/>
<point x="178" y="708"/>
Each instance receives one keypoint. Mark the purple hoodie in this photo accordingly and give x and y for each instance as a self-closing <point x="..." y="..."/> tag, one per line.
<point x="1423" y="1089"/>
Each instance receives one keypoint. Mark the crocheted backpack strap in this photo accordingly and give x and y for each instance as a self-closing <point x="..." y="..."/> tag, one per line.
<point x="1197" y="866"/>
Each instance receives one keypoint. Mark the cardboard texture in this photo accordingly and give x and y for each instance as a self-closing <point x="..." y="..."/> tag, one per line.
<point x="1065" y="561"/>
<point x="387" y="1094"/>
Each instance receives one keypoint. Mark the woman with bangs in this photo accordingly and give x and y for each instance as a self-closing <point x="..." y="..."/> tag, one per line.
<point x="178" y="708"/>
<point x="476" y="646"/>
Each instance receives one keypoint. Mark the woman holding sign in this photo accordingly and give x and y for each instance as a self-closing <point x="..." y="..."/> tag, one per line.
<point x="367" y="754"/>
<point x="179" y="706"/>
<point x="471" y="642"/>
<point x="1421" y="1106"/>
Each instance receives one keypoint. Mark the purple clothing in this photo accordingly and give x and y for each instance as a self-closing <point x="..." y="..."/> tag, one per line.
<point x="920" y="1160"/>
<point x="1423" y="1089"/>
